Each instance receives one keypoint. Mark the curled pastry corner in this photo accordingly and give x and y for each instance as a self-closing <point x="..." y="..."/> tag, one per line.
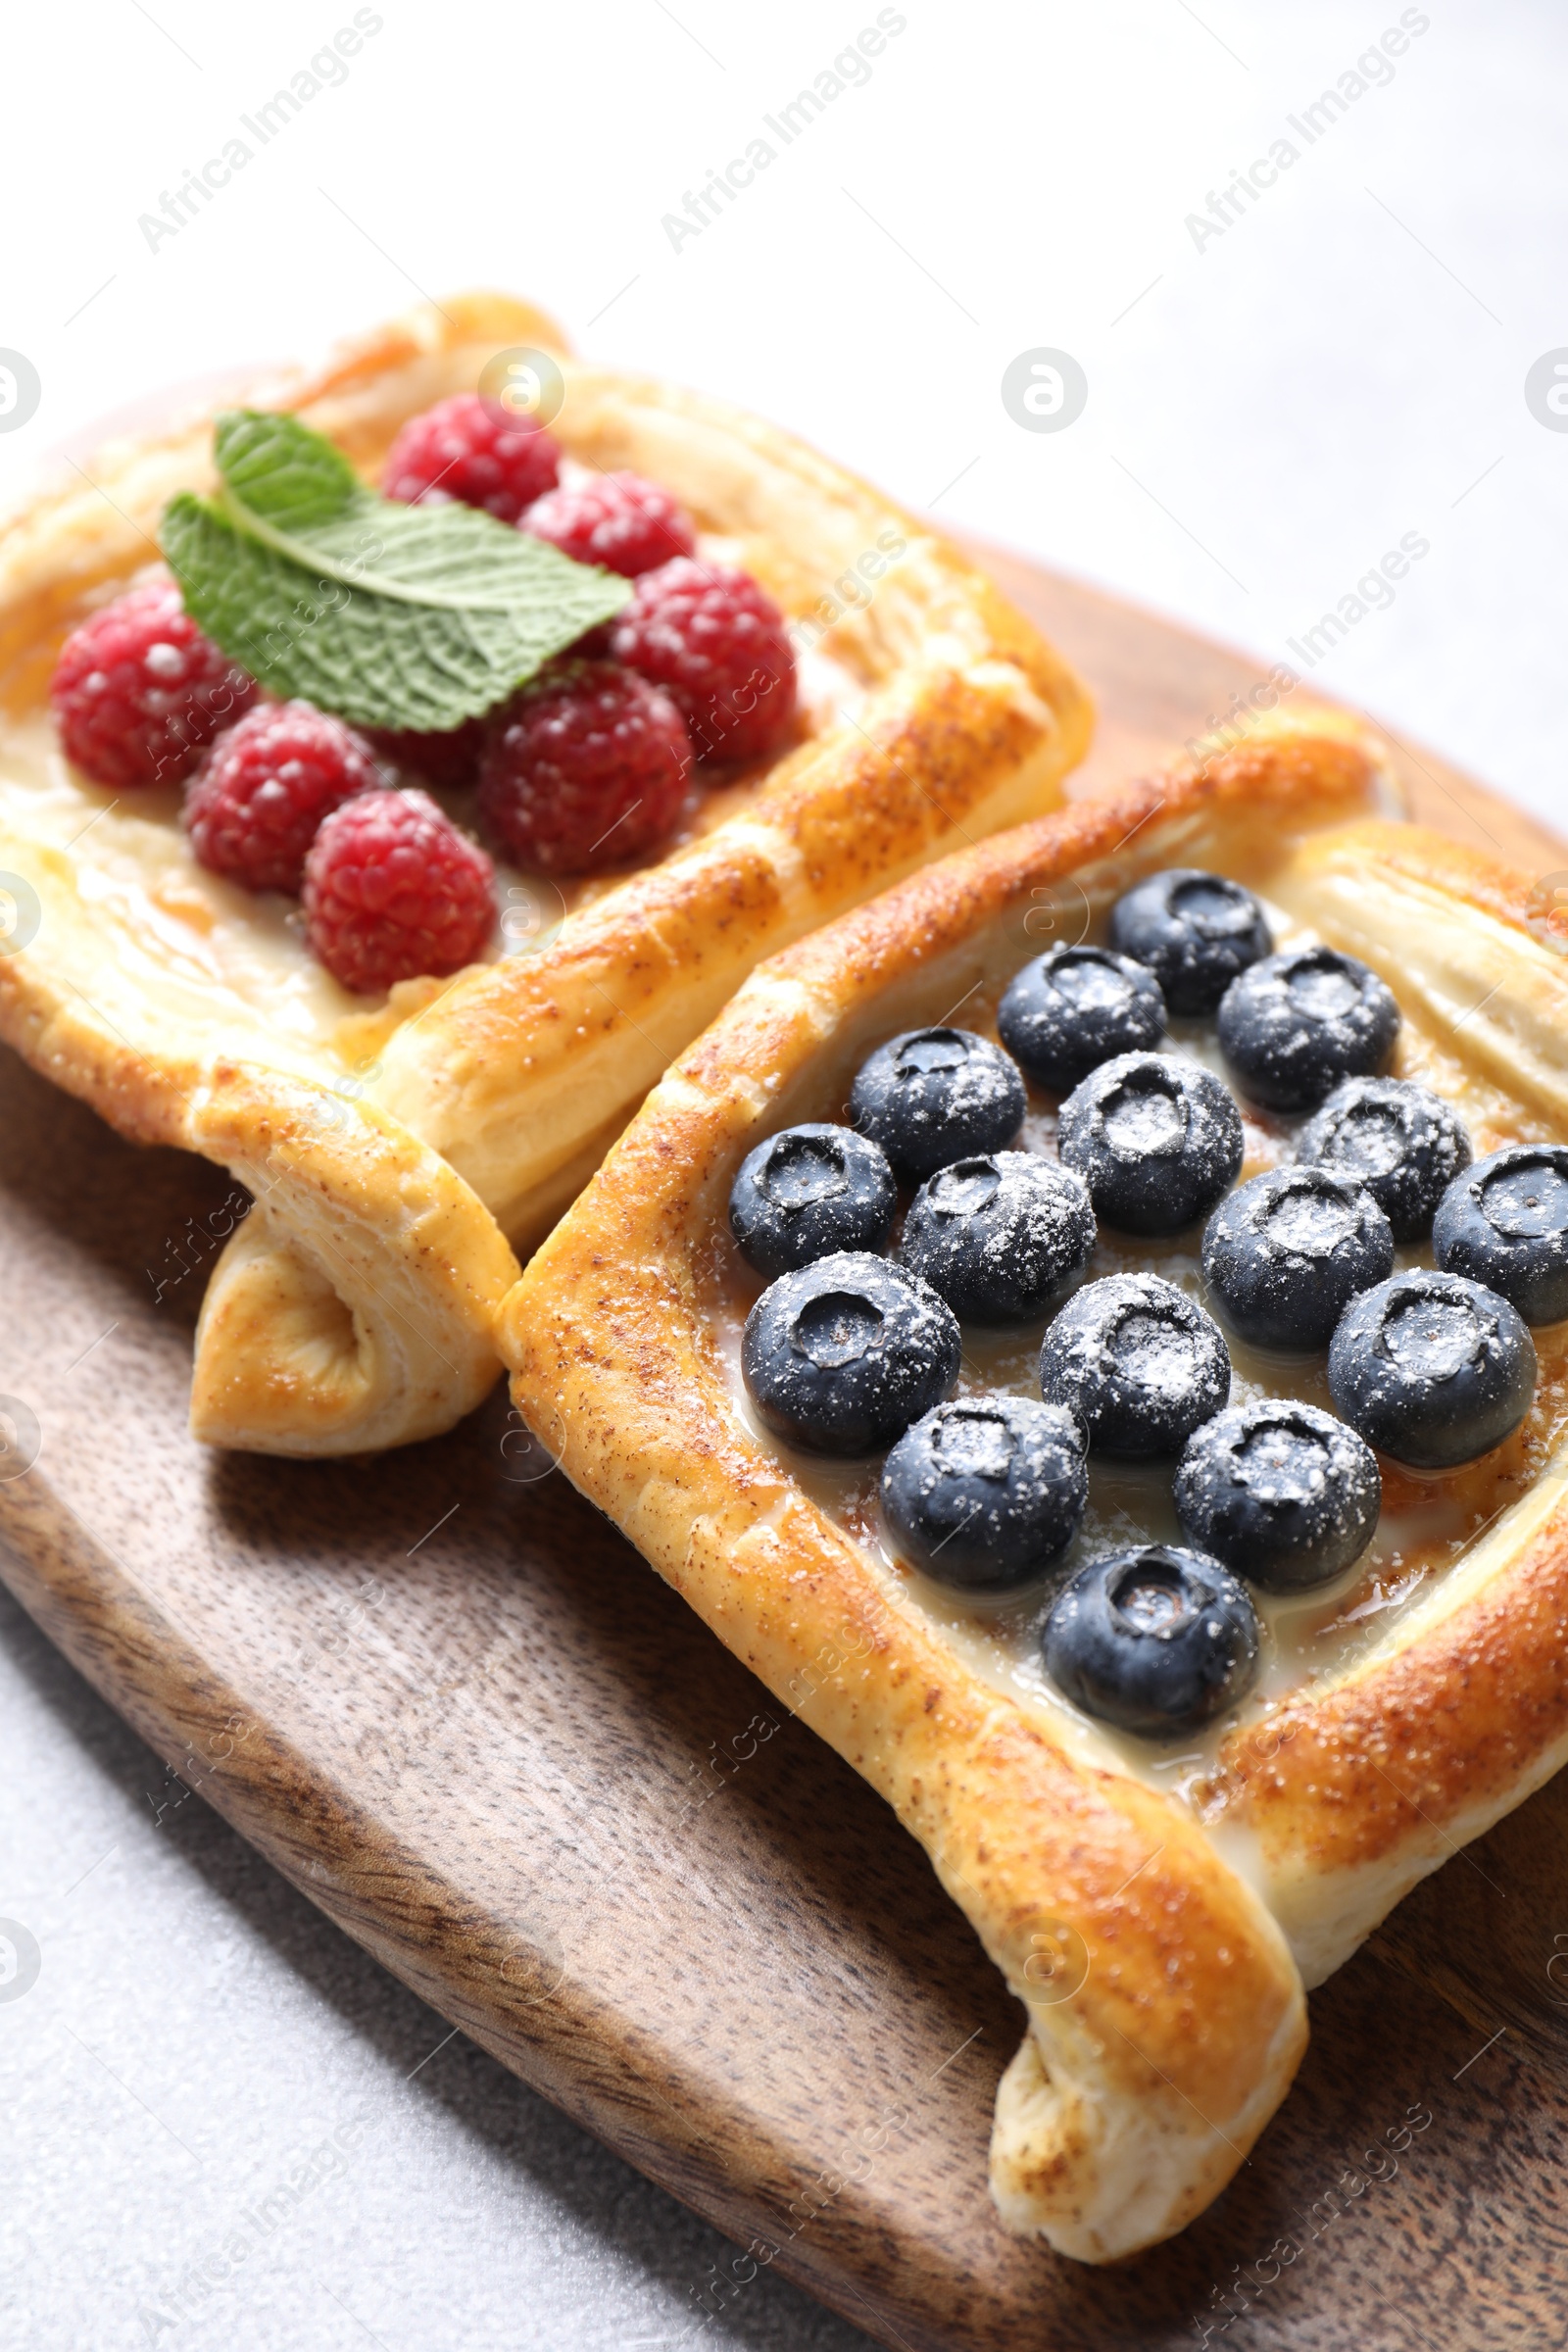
<point x="354" y="1307"/>
<point x="1166" y="2014"/>
<point x="1101" y="2168"/>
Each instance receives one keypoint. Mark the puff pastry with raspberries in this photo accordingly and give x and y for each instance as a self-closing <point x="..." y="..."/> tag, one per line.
<point x="404" y="1124"/>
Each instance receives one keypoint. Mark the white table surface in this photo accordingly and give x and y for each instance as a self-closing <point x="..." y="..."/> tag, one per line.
<point x="1269" y="411"/>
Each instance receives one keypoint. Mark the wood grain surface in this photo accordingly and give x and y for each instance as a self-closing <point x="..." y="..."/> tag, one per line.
<point x="453" y="1706"/>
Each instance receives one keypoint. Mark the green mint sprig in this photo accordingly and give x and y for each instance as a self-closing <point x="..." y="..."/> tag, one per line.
<point x="390" y="616"/>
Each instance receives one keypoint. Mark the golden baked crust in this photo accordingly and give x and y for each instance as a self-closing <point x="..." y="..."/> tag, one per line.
<point x="1159" y="1944"/>
<point x="139" y="993"/>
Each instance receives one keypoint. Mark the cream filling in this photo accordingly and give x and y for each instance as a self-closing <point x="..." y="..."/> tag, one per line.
<point x="192" y="958"/>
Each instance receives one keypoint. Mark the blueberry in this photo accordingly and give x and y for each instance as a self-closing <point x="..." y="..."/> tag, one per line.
<point x="1281" y="1492"/>
<point x="1156" y="1139"/>
<point x="841" y="1356"/>
<point x="933" y="1094"/>
<point x="999" y="1236"/>
<point x="1195" y="931"/>
<point x="1506" y="1224"/>
<point x="1297" y="1024"/>
<point x="1137" y="1363"/>
<point x="1431" y="1369"/>
<point x="985" y="1493"/>
<point x="1073" y="1008"/>
<point x="1402" y="1140"/>
<point x="807" y="1190"/>
<point x="1285" y="1253"/>
<point x="1158" y="1639"/>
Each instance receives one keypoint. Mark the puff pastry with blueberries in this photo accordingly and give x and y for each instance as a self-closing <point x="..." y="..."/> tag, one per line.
<point x="1161" y="1504"/>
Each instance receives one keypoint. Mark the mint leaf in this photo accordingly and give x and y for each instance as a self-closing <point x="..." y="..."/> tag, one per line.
<point x="281" y="470"/>
<point x="390" y="616"/>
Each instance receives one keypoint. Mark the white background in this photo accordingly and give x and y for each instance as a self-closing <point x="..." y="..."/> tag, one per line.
<point x="1342" y="366"/>
<point x="1267" y="413"/>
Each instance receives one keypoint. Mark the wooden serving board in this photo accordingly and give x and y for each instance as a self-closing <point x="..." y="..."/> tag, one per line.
<point x="451" y="1704"/>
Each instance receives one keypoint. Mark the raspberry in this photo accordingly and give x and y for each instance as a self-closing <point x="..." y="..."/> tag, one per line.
<point x="260" y="797"/>
<point x="617" y="520"/>
<point x="138" y="692"/>
<point x="470" y="449"/>
<point x="393" y="891"/>
<point x="449" y="761"/>
<point x="719" y="643"/>
<point x="586" y="769"/>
